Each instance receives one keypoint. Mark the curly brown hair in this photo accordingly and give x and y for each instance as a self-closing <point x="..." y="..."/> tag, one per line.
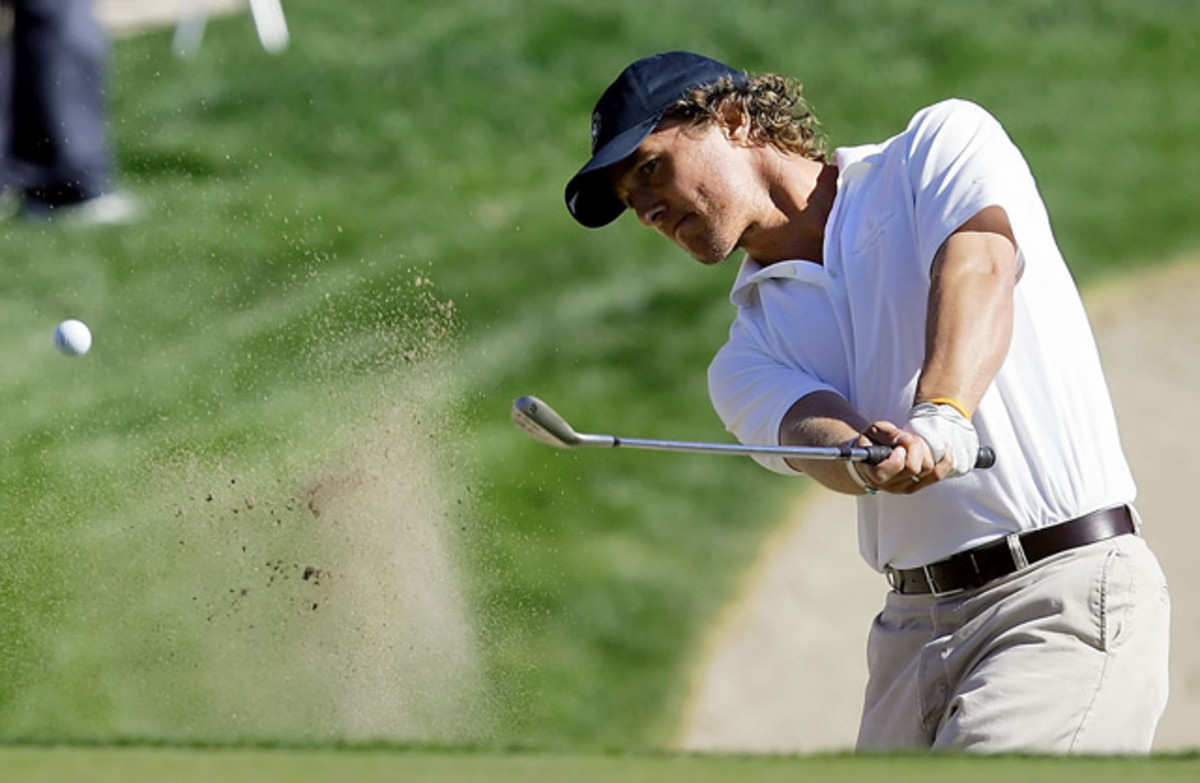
<point x="779" y="114"/>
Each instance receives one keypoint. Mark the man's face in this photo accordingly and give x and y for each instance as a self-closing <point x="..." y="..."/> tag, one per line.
<point x="693" y="185"/>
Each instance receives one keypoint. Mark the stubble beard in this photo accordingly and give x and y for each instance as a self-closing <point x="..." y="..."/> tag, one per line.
<point x="709" y="245"/>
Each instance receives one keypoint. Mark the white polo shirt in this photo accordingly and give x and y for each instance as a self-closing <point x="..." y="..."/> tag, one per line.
<point x="856" y="326"/>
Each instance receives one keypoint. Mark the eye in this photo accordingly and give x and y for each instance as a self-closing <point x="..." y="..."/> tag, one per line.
<point x="648" y="167"/>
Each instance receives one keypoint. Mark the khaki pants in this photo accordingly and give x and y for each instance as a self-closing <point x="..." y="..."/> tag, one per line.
<point x="1066" y="656"/>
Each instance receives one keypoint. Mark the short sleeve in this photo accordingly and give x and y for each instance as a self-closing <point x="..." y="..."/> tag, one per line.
<point x="752" y="392"/>
<point x="960" y="162"/>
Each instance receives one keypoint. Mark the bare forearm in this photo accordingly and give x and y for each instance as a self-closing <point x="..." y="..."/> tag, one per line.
<point x="970" y="311"/>
<point x="823" y="419"/>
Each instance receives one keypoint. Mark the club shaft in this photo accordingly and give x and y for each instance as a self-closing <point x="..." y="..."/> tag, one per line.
<point x="734" y="449"/>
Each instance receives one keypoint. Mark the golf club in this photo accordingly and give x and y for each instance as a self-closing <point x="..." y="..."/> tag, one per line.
<point x="542" y="423"/>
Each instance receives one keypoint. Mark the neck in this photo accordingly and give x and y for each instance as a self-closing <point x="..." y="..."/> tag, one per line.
<point x="801" y="193"/>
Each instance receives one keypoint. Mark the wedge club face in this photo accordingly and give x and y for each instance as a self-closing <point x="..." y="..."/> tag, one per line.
<point x="542" y="423"/>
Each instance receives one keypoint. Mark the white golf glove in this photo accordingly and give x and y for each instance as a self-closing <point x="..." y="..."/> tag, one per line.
<point x="945" y="429"/>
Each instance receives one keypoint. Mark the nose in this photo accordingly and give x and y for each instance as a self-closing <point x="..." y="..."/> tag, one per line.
<point x="649" y="207"/>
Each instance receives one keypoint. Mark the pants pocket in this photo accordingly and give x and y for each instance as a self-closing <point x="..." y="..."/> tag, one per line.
<point x="1114" y="597"/>
<point x="1132" y="585"/>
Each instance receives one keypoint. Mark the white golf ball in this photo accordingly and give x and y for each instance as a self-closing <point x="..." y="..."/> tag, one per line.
<point x="73" y="337"/>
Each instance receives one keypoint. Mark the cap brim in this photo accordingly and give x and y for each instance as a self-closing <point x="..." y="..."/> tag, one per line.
<point x="589" y="195"/>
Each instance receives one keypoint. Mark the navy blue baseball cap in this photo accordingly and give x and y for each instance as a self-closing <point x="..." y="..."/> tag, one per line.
<point x="628" y="112"/>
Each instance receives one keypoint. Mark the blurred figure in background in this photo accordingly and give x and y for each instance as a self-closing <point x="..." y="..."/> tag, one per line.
<point x="57" y="160"/>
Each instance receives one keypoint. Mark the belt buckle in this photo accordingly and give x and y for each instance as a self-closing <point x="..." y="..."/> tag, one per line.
<point x="933" y="588"/>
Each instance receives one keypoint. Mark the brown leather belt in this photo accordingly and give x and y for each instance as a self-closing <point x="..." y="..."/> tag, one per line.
<point x="976" y="567"/>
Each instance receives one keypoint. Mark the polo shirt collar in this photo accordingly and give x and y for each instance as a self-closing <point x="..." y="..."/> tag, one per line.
<point x="753" y="273"/>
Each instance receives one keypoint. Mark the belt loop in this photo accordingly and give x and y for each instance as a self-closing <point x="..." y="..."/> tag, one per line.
<point x="933" y="588"/>
<point x="1017" y="551"/>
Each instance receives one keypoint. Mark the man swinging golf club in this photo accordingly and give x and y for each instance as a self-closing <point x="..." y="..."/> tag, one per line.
<point x="910" y="293"/>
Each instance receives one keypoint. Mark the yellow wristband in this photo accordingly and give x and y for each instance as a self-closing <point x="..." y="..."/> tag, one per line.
<point x="953" y="403"/>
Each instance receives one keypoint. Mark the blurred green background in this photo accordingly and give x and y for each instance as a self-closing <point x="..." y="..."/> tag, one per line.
<point x="281" y="498"/>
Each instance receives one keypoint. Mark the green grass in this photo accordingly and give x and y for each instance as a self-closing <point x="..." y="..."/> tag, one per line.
<point x="355" y="256"/>
<point x="182" y="765"/>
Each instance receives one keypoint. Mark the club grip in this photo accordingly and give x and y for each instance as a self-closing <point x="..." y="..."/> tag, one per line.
<point x="877" y="454"/>
<point x="984" y="459"/>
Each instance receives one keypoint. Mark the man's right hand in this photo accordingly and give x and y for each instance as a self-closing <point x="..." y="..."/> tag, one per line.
<point x="911" y="465"/>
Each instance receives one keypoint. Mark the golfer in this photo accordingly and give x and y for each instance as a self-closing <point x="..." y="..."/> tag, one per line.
<point x="911" y="293"/>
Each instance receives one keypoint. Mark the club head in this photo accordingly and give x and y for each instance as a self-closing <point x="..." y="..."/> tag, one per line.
<point x="541" y="422"/>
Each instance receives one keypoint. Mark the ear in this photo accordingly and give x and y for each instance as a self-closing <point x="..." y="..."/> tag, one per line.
<point x="735" y="123"/>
